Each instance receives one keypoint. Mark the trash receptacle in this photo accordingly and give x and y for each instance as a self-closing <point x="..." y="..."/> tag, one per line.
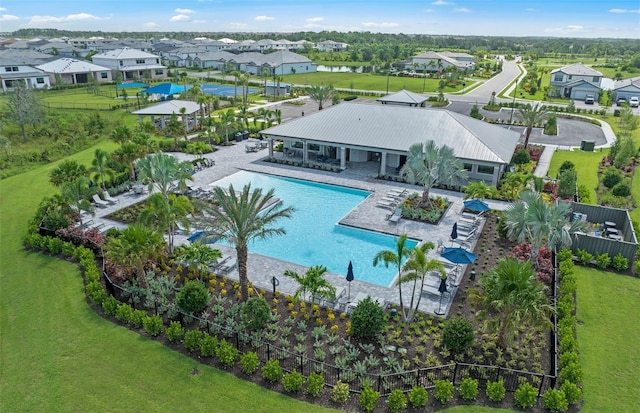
<point x="588" y="146"/>
<point x="238" y="137"/>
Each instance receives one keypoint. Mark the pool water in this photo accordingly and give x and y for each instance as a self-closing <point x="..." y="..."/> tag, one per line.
<point x="313" y="236"/>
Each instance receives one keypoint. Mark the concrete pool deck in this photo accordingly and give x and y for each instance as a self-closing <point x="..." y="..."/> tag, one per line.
<point x="366" y="215"/>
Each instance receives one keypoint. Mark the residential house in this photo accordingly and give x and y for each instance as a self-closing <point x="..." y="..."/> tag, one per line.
<point x="627" y="88"/>
<point x="73" y="71"/>
<point x="331" y="46"/>
<point x="575" y="81"/>
<point x="439" y="61"/>
<point x="14" y="72"/>
<point x="276" y="63"/>
<point x="131" y="63"/>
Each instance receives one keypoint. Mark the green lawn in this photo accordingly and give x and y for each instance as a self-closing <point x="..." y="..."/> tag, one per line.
<point x="608" y="338"/>
<point x="586" y="166"/>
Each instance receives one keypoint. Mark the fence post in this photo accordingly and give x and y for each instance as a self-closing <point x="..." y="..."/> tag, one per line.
<point x="268" y="351"/>
<point x="236" y="337"/>
<point x="455" y="373"/>
<point x="499" y="370"/>
<point x="301" y="364"/>
<point x="379" y="383"/>
<point x="540" y="386"/>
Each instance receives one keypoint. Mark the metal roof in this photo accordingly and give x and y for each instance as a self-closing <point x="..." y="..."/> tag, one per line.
<point x="169" y="107"/>
<point x="125" y="53"/>
<point x="404" y="96"/>
<point x="396" y="128"/>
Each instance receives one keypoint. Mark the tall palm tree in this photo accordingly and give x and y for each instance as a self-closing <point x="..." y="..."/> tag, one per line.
<point x="202" y="100"/>
<point x="164" y="172"/>
<point x="428" y="164"/>
<point x="185" y="122"/>
<point x="388" y="257"/>
<point x="416" y="269"/>
<point x="67" y="171"/>
<point x="321" y="94"/>
<point x="136" y="245"/>
<point x="510" y="297"/>
<point x="241" y="217"/>
<point x="164" y="214"/>
<point x="265" y="73"/>
<point x="313" y="283"/>
<point x="75" y="194"/>
<point x="199" y="256"/>
<point x="236" y="77"/>
<point x="121" y="134"/>
<point x="100" y="167"/>
<point x="531" y="116"/>
<point x="127" y="153"/>
<point x="227" y="120"/>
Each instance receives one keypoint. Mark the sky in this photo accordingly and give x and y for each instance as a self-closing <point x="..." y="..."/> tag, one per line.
<point x="573" y="18"/>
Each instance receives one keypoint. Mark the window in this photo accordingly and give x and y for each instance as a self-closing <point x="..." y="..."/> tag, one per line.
<point x="39" y="80"/>
<point x="140" y="61"/>
<point x="11" y="69"/>
<point x="596" y="79"/>
<point x="159" y="72"/>
<point x="121" y="63"/>
<point x="158" y="61"/>
<point x="570" y="77"/>
<point x="104" y="75"/>
<point x="7" y="69"/>
<point x="558" y="77"/>
<point x="467" y="167"/>
<point x="482" y="169"/>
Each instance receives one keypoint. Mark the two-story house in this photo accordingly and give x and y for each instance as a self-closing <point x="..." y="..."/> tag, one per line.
<point x="13" y="72"/>
<point x="331" y="46"/>
<point x="439" y="61"/>
<point x="131" y="63"/>
<point x="575" y="82"/>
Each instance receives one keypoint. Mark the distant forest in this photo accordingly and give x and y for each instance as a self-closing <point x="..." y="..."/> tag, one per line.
<point x="400" y="45"/>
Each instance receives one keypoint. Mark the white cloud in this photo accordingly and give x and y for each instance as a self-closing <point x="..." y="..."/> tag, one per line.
<point x="63" y="19"/>
<point x="235" y="26"/>
<point x="571" y="29"/>
<point x="382" y="25"/>
<point x="442" y="3"/>
<point x="314" y="19"/>
<point x="621" y="11"/>
<point x="183" y="11"/>
<point x="3" y="9"/>
<point x="151" y="25"/>
<point x="180" y="18"/>
<point x="575" y="28"/>
<point x="8" y="17"/>
<point x="263" y="18"/>
<point x="461" y="10"/>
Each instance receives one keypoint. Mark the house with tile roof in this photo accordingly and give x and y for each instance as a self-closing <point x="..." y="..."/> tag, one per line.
<point x="356" y="132"/>
<point x="13" y="72"/>
<point x="74" y="71"/>
<point x="575" y="81"/>
<point x="131" y="63"/>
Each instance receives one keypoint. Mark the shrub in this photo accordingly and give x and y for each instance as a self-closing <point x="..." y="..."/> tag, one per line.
<point x="124" y="312"/>
<point x="572" y="392"/>
<point x="255" y="313"/>
<point x="271" y="371"/>
<point x="397" y="401"/>
<point x="418" y="396"/>
<point x="521" y="157"/>
<point x="566" y="165"/>
<point x="193" y="297"/>
<point x="292" y="382"/>
<point x="468" y="389"/>
<point x="96" y="292"/>
<point x="584" y="194"/>
<point x="603" y="260"/>
<point x="110" y="305"/>
<point x="249" y="362"/>
<point x="572" y="372"/>
<point x="208" y="345"/>
<point x="137" y="318"/>
<point x="315" y="384"/>
<point x="620" y="263"/>
<point x="227" y="353"/>
<point x="175" y="332"/>
<point x="192" y="340"/>
<point x="567" y="183"/>
<point x="369" y="399"/>
<point x="525" y="396"/>
<point x="475" y="112"/>
<point x="621" y="189"/>
<point x="152" y="325"/>
<point x="551" y="126"/>
<point x="496" y="391"/>
<point x="584" y="257"/>
<point x="555" y="401"/>
<point x="458" y="334"/>
<point x="443" y="391"/>
<point x="340" y="392"/>
<point x="611" y="177"/>
<point x="568" y="357"/>
<point x="367" y="319"/>
<point x="564" y="254"/>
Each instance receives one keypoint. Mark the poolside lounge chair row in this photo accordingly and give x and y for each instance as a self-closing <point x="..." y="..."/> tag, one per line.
<point x="105" y="201"/>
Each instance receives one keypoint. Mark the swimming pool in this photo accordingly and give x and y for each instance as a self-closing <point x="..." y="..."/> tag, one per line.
<point x="313" y="236"/>
<point x="222" y="90"/>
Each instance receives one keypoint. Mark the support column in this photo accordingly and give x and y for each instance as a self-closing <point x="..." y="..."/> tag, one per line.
<point x="305" y="152"/>
<point x="383" y="163"/>
<point x="343" y="158"/>
<point x="270" y="148"/>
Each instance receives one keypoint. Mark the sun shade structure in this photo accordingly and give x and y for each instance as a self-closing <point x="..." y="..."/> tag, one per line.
<point x="166" y="89"/>
<point x="350" y="277"/>
<point x="404" y="97"/>
<point x="458" y="255"/>
<point x="476" y="205"/>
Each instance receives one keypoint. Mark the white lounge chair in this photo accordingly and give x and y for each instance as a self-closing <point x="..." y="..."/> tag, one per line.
<point x="99" y="202"/>
<point x="109" y="198"/>
<point x="386" y="204"/>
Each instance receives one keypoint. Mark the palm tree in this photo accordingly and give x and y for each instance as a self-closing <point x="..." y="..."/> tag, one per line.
<point x="202" y="100"/>
<point x="417" y="267"/>
<point x="428" y="164"/>
<point x="136" y="245"/>
<point x="531" y="116"/>
<point x="236" y="76"/>
<point x="241" y="217"/>
<point x="67" y="171"/>
<point x="388" y="257"/>
<point x="321" y="94"/>
<point x="199" y="256"/>
<point x="479" y="190"/>
<point x="75" y="194"/>
<point x="227" y="119"/>
<point x="165" y="172"/>
<point x="185" y="122"/>
<point x="510" y="297"/>
<point x="100" y="167"/>
<point x="265" y="73"/>
<point x="121" y="134"/>
<point x="313" y="283"/>
<point x="164" y="214"/>
<point x="127" y="153"/>
<point x="174" y="128"/>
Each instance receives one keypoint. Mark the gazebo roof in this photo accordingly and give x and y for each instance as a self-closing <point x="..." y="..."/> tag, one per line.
<point x="405" y="97"/>
<point x="169" y="107"/>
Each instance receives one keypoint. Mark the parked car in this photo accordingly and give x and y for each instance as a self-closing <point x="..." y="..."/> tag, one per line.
<point x="589" y="99"/>
<point x="634" y="102"/>
<point x="621" y="101"/>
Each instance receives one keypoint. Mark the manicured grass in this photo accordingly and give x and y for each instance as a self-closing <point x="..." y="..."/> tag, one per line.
<point x="586" y="166"/>
<point x="608" y="337"/>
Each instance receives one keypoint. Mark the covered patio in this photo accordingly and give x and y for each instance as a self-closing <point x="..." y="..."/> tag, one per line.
<point x="162" y="112"/>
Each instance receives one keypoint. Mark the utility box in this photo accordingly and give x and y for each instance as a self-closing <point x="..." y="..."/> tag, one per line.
<point x="588" y="146"/>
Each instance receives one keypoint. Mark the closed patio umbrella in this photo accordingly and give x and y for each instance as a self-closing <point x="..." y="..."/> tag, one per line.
<point x="350" y="278"/>
<point x="454" y="232"/>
